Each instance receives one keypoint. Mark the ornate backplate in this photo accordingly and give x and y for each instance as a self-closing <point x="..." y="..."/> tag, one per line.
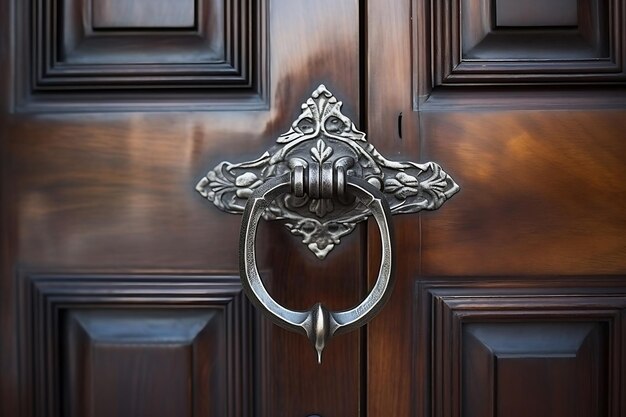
<point x="323" y="134"/>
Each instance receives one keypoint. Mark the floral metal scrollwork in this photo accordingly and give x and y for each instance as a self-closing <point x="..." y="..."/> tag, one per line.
<point x="323" y="134"/>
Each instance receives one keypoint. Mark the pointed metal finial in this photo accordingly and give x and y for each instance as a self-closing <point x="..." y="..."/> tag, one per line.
<point x="319" y="332"/>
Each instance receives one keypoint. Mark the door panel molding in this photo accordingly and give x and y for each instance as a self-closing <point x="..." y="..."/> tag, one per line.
<point x="79" y="55"/>
<point x="184" y="341"/>
<point x="555" y="345"/>
<point x="461" y="51"/>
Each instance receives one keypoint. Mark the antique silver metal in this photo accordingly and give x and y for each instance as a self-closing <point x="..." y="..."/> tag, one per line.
<point x="318" y="324"/>
<point x="322" y="136"/>
<point x="321" y="179"/>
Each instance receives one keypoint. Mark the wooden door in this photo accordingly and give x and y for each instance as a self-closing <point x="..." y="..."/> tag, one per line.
<point x="119" y="285"/>
<point x="511" y="299"/>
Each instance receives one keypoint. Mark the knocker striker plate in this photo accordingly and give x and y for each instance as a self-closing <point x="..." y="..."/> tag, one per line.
<point x="322" y="134"/>
<point x="318" y="324"/>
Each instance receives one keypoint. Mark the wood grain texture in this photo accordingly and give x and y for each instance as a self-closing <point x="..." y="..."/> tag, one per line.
<point x="536" y="13"/>
<point x="176" y="359"/>
<point x="543" y="368"/>
<point x="542" y="178"/>
<point x="389" y="109"/>
<point x="525" y="44"/>
<point x="219" y="62"/>
<point x="317" y="45"/>
<point x="514" y="345"/>
<point x="109" y="14"/>
<point x="90" y="186"/>
<point x="483" y="98"/>
<point x="8" y="347"/>
<point x="541" y="193"/>
<point x="135" y="345"/>
<point x="114" y="192"/>
<point x="468" y="49"/>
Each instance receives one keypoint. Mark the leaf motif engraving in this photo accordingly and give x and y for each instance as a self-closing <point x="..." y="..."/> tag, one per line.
<point x="246" y="179"/>
<point x="402" y="186"/>
<point x="321" y="152"/>
<point x="406" y="179"/>
<point x="322" y="134"/>
<point x="392" y="184"/>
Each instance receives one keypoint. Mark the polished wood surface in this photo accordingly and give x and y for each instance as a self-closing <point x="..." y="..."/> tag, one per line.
<point x="113" y="192"/>
<point x="389" y="336"/>
<point x="117" y="55"/>
<point x="536" y="13"/>
<point x="544" y="191"/>
<point x="154" y="345"/>
<point x="109" y="14"/>
<point x="119" y="283"/>
<point x="468" y="48"/>
<point x="545" y="345"/>
<point x="542" y="196"/>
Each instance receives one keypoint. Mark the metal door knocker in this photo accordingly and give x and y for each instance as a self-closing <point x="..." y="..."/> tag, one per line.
<point x="321" y="179"/>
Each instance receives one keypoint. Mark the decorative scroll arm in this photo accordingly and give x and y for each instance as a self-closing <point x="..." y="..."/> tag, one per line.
<point x="323" y="134"/>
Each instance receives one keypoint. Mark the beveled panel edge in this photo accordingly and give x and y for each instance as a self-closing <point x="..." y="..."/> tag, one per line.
<point x="103" y="17"/>
<point x="560" y="297"/>
<point x="40" y="295"/>
<point x="536" y="97"/>
<point x="249" y="77"/>
<point x="473" y="83"/>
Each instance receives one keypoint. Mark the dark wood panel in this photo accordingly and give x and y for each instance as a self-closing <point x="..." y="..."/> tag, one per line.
<point x="523" y="44"/>
<point x="514" y="346"/>
<point x="218" y="61"/>
<point x="143" y="13"/>
<point x="585" y="34"/>
<point x="199" y="50"/>
<point x="140" y="373"/>
<point x="543" y="368"/>
<point x="558" y="47"/>
<point x="541" y="193"/>
<point x="394" y="132"/>
<point x="119" y="196"/>
<point x="483" y="98"/>
<point x="536" y="13"/>
<point x="470" y="49"/>
<point x="178" y="359"/>
<point x="293" y="384"/>
<point x="133" y="345"/>
<point x="115" y="192"/>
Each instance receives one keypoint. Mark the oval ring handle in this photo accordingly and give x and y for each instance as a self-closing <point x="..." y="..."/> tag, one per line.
<point x="318" y="324"/>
